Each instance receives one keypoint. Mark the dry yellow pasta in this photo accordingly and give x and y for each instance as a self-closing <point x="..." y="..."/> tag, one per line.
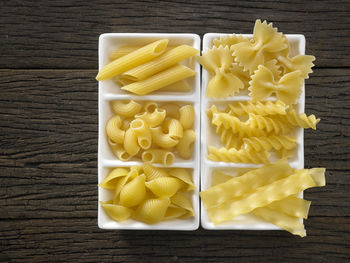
<point x="187" y="116"/>
<point x="114" y="131"/>
<point x="160" y="80"/>
<point x="172" y="109"/>
<point x="179" y="86"/>
<point x="131" y="145"/>
<point x="143" y="133"/>
<point x="124" y="50"/>
<point x="119" y="151"/>
<point x="126" y="108"/>
<point x="184" y="176"/>
<point x="185" y="146"/>
<point x="166" y="60"/>
<point x="111" y="180"/>
<point x="174" y="128"/>
<point x="161" y="139"/>
<point x="158" y="156"/>
<point x="117" y="212"/>
<point x="153" y="172"/>
<point x="133" y="59"/>
<point x="164" y="186"/>
<point x="152" y="119"/>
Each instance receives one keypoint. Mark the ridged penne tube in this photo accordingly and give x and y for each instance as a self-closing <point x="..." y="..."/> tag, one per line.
<point x="126" y="108"/>
<point x="275" y="142"/>
<point x="153" y="172"/>
<point x="116" y="212"/>
<point x="291" y="185"/>
<point x="182" y="201"/>
<point x="184" y="176"/>
<point x="187" y="116"/>
<point x="160" y="80"/>
<point x="119" y="151"/>
<point x="158" y="156"/>
<point x="122" y="81"/>
<point x="172" y="109"/>
<point x="124" y="50"/>
<point x="166" y="60"/>
<point x="114" y="131"/>
<point x="180" y="86"/>
<point x="162" y="139"/>
<point x="152" y="119"/>
<point x="259" y="108"/>
<point x="134" y="192"/>
<point x="164" y="186"/>
<point x="292" y="205"/>
<point x="290" y="223"/>
<point x="246" y="183"/>
<point x="133" y="59"/>
<point x="111" y="180"/>
<point x="143" y="133"/>
<point x="174" y="128"/>
<point x="237" y="156"/>
<point x="152" y="210"/>
<point x="131" y="145"/>
<point x="185" y="146"/>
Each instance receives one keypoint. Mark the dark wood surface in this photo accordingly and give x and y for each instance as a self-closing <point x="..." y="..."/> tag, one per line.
<point x="48" y="131"/>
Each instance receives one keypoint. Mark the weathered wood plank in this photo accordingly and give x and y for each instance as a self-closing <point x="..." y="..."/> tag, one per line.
<point x="64" y="34"/>
<point x="48" y="194"/>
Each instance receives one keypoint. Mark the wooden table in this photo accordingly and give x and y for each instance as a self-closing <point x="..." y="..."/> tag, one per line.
<point x="48" y="131"/>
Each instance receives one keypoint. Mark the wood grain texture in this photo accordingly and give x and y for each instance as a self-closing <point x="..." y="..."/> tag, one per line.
<point x="64" y="34"/>
<point x="48" y="194"/>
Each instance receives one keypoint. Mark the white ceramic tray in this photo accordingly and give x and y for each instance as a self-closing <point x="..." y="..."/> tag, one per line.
<point x="108" y="91"/>
<point x="209" y="137"/>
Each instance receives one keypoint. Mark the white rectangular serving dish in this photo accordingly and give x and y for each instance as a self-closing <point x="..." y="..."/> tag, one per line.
<point x="108" y="90"/>
<point x="209" y="137"/>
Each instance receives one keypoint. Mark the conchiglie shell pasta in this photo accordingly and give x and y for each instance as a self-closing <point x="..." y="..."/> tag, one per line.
<point x="164" y="186"/>
<point x="111" y="180"/>
<point x="117" y="212"/>
<point x="152" y="210"/>
<point x="133" y="192"/>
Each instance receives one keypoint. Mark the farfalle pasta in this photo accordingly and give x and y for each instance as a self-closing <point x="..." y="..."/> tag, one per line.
<point x="148" y="194"/>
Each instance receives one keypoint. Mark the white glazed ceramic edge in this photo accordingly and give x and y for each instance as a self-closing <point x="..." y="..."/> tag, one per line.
<point x="244" y="222"/>
<point x="109" y="91"/>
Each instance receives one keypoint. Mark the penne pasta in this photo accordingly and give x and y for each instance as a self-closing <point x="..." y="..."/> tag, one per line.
<point x="166" y="60"/>
<point x="133" y="59"/>
<point x="124" y="50"/>
<point x="160" y="80"/>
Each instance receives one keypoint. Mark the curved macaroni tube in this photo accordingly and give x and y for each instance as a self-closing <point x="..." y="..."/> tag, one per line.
<point x="185" y="146"/>
<point x="172" y="110"/>
<point x="114" y="131"/>
<point x="126" y="108"/>
<point x="119" y="151"/>
<point x="173" y="128"/>
<point x="130" y="142"/>
<point x="187" y="116"/>
<point x="158" y="156"/>
<point x="150" y="106"/>
<point x="143" y="134"/>
<point x="152" y="119"/>
<point x="162" y="139"/>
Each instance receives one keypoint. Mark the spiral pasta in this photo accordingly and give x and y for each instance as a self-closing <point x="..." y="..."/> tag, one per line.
<point x="269" y="124"/>
<point x="267" y="143"/>
<point x="237" y="156"/>
<point x="260" y="108"/>
<point x="301" y="120"/>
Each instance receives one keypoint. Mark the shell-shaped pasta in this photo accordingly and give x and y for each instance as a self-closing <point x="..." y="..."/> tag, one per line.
<point x="134" y="192"/>
<point x="229" y="40"/>
<point x="287" y="89"/>
<point x="174" y="212"/>
<point x="126" y="108"/>
<point x="158" y="156"/>
<point x="236" y="187"/>
<point x="183" y="175"/>
<point x="182" y="201"/>
<point x="152" y="119"/>
<point x="164" y="186"/>
<point x="111" y="180"/>
<point x="291" y="185"/>
<point x="117" y="212"/>
<point x="185" y="146"/>
<point x="303" y="63"/>
<point x="119" y="151"/>
<point x="238" y="127"/>
<point x="174" y="128"/>
<point x="237" y="156"/>
<point x="266" y="39"/>
<point x="260" y="108"/>
<point x="143" y="133"/>
<point x="152" y="210"/>
<point x="114" y="131"/>
<point x="172" y="110"/>
<point x="269" y="124"/>
<point x="153" y="172"/>
<point x="131" y="145"/>
<point x="290" y="223"/>
<point x="187" y="116"/>
<point x="162" y="139"/>
<point x="271" y="142"/>
<point x="121" y="183"/>
<point x="301" y="120"/>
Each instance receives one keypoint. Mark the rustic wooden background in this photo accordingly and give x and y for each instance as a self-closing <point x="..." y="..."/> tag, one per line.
<point x="48" y="131"/>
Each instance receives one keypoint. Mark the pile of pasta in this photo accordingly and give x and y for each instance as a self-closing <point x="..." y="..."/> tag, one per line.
<point x="269" y="193"/>
<point x="261" y="64"/>
<point x="142" y="70"/>
<point x="151" y="131"/>
<point x="148" y="194"/>
<point x="250" y="131"/>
